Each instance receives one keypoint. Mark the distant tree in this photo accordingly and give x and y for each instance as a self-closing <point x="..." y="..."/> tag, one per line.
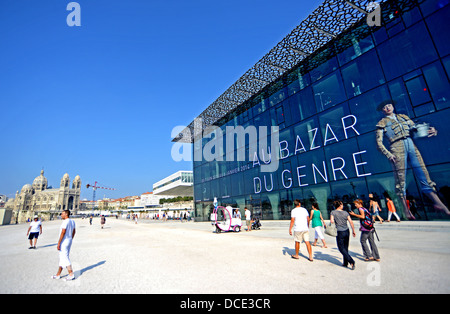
<point x="176" y="199"/>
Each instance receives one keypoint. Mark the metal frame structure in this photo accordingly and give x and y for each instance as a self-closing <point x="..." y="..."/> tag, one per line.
<point x="330" y="19"/>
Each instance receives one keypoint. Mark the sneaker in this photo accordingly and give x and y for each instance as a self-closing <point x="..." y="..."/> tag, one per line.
<point x="68" y="278"/>
<point x="56" y="277"/>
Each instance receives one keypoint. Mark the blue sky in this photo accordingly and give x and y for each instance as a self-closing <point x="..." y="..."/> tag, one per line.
<point x="101" y="100"/>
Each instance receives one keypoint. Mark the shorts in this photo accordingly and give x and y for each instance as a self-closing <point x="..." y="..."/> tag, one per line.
<point x="249" y="223"/>
<point x="33" y="235"/>
<point x="300" y="236"/>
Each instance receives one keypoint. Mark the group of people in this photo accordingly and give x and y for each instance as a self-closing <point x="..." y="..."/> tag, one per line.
<point x="102" y="220"/>
<point x="376" y="209"/>
<point x="299" y="228"/>
<point x="301" y="219"/>
<point x="66" y="234"/>
<point x="248" y="217"/>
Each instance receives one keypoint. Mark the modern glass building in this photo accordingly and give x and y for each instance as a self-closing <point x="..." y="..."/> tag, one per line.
<point x="177" y="184"/>
<point x="325" y="107"/>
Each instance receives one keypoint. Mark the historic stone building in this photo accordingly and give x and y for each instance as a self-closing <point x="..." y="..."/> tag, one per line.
<point x="39" y="199"/>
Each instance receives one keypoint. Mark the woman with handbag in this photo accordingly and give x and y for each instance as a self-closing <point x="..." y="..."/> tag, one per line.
<point x="367" y="230"/>
<point x="340" y="218"/>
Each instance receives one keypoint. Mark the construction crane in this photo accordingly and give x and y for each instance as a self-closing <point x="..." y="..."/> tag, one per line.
<point x="94" y="188"/>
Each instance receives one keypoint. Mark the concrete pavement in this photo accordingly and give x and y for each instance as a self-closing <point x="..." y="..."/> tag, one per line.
<point x="189" y="258"/>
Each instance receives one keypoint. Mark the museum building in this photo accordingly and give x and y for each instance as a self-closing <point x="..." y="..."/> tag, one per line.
<point x="322" y="93"/>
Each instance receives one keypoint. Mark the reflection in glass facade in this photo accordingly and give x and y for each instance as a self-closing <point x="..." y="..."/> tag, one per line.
<point x="326" y="113"/>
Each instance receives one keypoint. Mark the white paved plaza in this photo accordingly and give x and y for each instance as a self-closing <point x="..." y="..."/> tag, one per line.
<point x="189" y="258"/>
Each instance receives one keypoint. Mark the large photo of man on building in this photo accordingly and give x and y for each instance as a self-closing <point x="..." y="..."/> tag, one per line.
<point x="400" y="130"/>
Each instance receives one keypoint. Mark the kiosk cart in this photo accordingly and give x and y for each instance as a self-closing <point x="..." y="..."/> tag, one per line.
<point x="222" y="219"/>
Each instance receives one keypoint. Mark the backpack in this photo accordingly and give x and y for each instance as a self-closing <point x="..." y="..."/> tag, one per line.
<point x="367" y="222"/>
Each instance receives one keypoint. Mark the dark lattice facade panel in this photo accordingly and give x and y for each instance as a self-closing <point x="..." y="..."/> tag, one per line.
<point x="326" y="23"/>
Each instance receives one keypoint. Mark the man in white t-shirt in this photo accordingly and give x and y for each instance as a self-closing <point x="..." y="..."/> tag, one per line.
<point x="34" y="231"/>
<point x="67" y="233"/>
<point x="248" y="219"/>
<point x="300" y="224"/>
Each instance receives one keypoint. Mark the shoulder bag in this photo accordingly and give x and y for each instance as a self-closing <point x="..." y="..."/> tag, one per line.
<point x="331" y="230"/>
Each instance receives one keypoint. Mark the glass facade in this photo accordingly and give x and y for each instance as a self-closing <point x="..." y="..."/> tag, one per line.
<point x="327" y="118"/>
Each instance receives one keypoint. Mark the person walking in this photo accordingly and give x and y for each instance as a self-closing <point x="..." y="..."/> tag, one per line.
<point x="67" y="233"/>
<point x="340" y="218"/>
<point x="391" y="209"/>
<point x="300" y="225"/>
<point x="317" y="223"/>
<point x="34" y="231"/>
<point x="102" y="221"/>
<point x="375" y="208"/>
<point x="412" y="206"/>
<point x="367" y="231"/>
<point x="248" y="219"/>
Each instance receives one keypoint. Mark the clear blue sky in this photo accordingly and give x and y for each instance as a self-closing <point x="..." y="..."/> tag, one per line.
<point x="101" y="100"/>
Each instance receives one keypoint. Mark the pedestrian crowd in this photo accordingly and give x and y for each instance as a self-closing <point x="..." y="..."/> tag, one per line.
<point x="300" y="223"/>
<point x="340" y="220"/>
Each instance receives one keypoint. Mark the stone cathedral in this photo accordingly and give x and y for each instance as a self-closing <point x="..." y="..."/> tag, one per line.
<point x="44" y="201"/>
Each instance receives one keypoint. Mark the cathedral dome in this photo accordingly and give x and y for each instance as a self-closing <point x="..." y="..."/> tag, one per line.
<point x="26" y="188"/>
<point x="40" y="181"/>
